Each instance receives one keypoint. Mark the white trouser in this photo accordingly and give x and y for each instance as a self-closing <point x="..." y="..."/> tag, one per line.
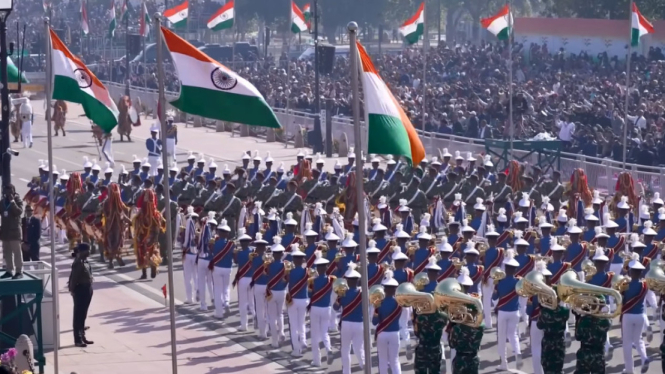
<point x="260" y="300"/>
<point x="536" y="347"/>
<point x="245" y="300"/>
<point x="319" y="319"/>
<point x="352" y="334"/>
<point x="170" y="148"/>
<point x="26" y="133"/>
<point x="275" y="316"/>
<point x="507" y="322"/>
<point x="523" y="316"/>
<point x="332" y="321"/>
<point x="205" y="279"/>
<point x="387" y="346"/>
<point x="154" y="162"/>
<point x="631" y="331"/>
<point x="297" y="315"/>
<point x="488" y="289"/>
<point x="221" y="281"/>
<point x="190" y="273"/>
<point x="404" y="324"/>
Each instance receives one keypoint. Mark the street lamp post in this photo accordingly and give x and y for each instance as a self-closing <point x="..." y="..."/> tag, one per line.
<point x="6" y="7"/>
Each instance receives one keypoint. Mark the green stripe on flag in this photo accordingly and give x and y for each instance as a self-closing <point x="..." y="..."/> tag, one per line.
<point x="223" y="25"/>
<point x="387" y="136"/>
<point x="112" y="26"/>
<point x="181" y="24"/>
<point x="68" y="89"/>
<point x="414" y="37"/>
<point x="634" y="37"/>
<point x="504" y="34"/>
<point x="12" y="73"/>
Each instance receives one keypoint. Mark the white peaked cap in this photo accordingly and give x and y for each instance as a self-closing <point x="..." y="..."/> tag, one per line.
<point x="86" y="162"/>
<point x="546" y="206"/>
<point x="377" y="226"/>
<point x="246" y="156"/>
<point x="656" y="199"/>
<point x="277" y="247"/>
<point x="635" y="262"/>
<point x="191" y="213"/>
<point x="309" y="231"/>
<point x="400" y="233"/>
<point x="300" y="153"/>
<point x="644" y="212"/>
<point x="661" y="214"/>
<point x="623" y="204"/>
<point x="444" y="246"/>
<point x="258" y="238"/>
<point x="464" y="279"/>
<point x="212" y="164"/>
<point x="136" y="160"/>
<point x="289" y="219"/>
<point x="352" y="153"/>
<point x="269" y="157"/>
<point x="518" y="217"/>
<point x="562" y="217"/>
<point x="541" y="267"/>
<point x="280" y="169"/>
<point x="224" y="225"/>
<point x="403" y="206"/>
<point x="190" y="155"/>
<point x="226" y="170"/>
<point x="383" y="202"/>
<point x="458" y="156"/>
<point x="242" y="235"/>
<point x="502" y="215"/>
<point x="596" y="197"/>
<point x="330" y="234"/>
<point x="308" y="155"/>
<point x="320" y="260"/>
<point x="469" y="156"/>
<point x="432" y="265"/>
<point x="122" y="169"/>
<point x="488" y="161"/>
<point x="466" y="227"/>
<point x="423" y="235"/>
<point x="398" y="254"/>
<point x="509" y="258"/>
<point x="388" y="279"/>
<point x="154" y="127"/>
<point x="588" y="215"/>
<point x="479" y="204"/>
<point x="338" y="165"/>
<point x="471" y="248"/>
<point x="145" y="164"/>
<point x="525" y="201"/>
<point x="648" y="230"/>
<point x="108" y="169"/>
<point x="351" y="271"/>
<point x="319" y="159"/>
<point x="607" y="218"/>
<point x="355" y="220"/>
<point x="374" y="158"/>
<point x="96" y="167"/>
<point x="296" y="252"/>
<point x="424" y="221"/>
<point x="600" y="233"/>
<point x="174" y="167"/>
<point x="635" y="241"/>
<point x="348" y="241"/>
<point x="371" y="247"/>
<point x="519" y="234"/>
<point x="55" y="170"/>
<point x="160" y="164"/>
<point x="600" y="255"/>
<point x="391" y="160"/>
<point x="211" y="219"/>
<point x="256" y="156"/>
<point x="555" y="246"/>
<point x="543" y="224"/>
<point x="446" y="153"/>
<point x="572" y="227"/>
<point x="202" y="159"/>
<point x="42" y="166"/>
<point x="435" y="161"/>
<point x="64" y="175"/>
<point x="491" y="231"/>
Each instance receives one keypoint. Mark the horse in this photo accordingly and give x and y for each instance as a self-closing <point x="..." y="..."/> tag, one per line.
<point x="60" y="116"/>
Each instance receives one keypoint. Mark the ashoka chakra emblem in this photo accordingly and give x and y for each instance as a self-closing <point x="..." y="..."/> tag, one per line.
<point x="223" y="80"/>
<point x="83" y="78"/>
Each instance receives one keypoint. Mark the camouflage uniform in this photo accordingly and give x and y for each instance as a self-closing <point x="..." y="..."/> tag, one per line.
<point x="591" y="332"/>
<point x="429" y="328"/>
<point x="553" y="324"/>
<point x="465" y="340"/>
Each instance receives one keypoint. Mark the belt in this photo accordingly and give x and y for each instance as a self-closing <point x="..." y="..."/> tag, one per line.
<point x="153" y="154"/>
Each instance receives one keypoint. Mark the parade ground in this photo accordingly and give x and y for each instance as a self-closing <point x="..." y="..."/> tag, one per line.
<point x="128" y="320"/>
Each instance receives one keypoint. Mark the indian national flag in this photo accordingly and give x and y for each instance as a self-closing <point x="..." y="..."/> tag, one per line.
<point x="223" y="18"/>
<point x="112" y="21"/>
<point x="639" y="26"/>
<point x="123" y="11"/>
<point x="178" y="15"/>
<point x="390" y="130"/>
<point x="12" y="72"/>
<point x="499" y="24"/>
<point x="73" y="82"/>
<point x="414" y="27"/>
<point x="84" y="19"/>
<point x="298" y="23"/>
<point x="211" y="90"/>
<point x="307" y="12"/>
<point x="144" y="22"/>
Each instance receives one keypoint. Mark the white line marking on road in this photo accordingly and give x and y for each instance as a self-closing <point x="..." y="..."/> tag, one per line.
<point x="23" y="180"/>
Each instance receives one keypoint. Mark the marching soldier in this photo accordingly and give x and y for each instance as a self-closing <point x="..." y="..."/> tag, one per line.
<point x="526" y="264"/>
<point x="203" y="260"/>
<point x="320" y="289"/>
<point x="416" y="199"/>
<point x="212" y="169"/>
<point x="447" y="268"/>
<point x="108" y="175"/>
<point x="576" y="251"/>
<point x="351" y="320"/>
<point x="387" y="322"/>
<point x="296" y="301"/>
<point x="591" y="222"/>
<point x="230" y="208"/>
<point x="154" y="147"/>
<point x="557" y="266"/>
<point x="171" y="136"/>
<point x="632" y="316"/>
<point x="536" y="334"/>
<point x="553" y="323"/>
<point x="136" y="165"/>
<point x="493" y="258"/>
<point x="94" y="177"/>
<point x="258" y="285"/>
<point x="601" y="278"/>
<point x="543" y="244"/>
<point x="420" y="256"/>
<point x="290" y="201"/>
<point x="562" y="223"/>
<point x="275" y="292"/>
<point x="243" y="256"/>
<point x="383" y="242"/>
<point x="190" y="254"/>
<point x="507" y="308"/>
<point x="191" y="160"/>
<point x="221" y="265"/>
<point x="87" y="168"/>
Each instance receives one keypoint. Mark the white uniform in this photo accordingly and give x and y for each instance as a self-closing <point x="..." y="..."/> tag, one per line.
<point x="189" y="262"/>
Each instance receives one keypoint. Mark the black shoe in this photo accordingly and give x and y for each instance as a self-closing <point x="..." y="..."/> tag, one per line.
<point x="80" y="345"/>
<point x="86" y="328"/>
<point x="86" y="341"/>
<point x="6" y="275"/>
<point x="153" y="272"/>
<point x="18" y="276"/>
<point x="143" y="275"/>
<point x="121" y="262"/>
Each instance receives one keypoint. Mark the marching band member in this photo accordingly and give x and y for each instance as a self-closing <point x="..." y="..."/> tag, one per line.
<point x="191" y="160"/>
<point x="383" y="242"/>
<point x="562" y="223"/>
<point x="310" y="245"/>
<point x="429" y="327"/>
<point x="475" y="271"/>
<point x="387" y="322"/>
<point x="601" y="241"/>
<point x="289" y="238"/>
<point x="259" y="285"/>
<point x="591" y="222"/>
<point x="268" y="172"/>
<point x="616" y="242"/>
<point x="493" y="258"/>
<point x="402" y="274"/>
<point x="465" y="340"/>
<point x="199" y="170"/>
<point x="154" y="147"/>
<point x="146" y="169"/>
<point x="406" y="216"/>
<point x="553" y="323"/>
<point x="352" y="320"/>
<point x="601" y="278"/>
<point x="454" y="237"/>
<point x="256" y="161"/>
<point x="243" y="278"/>
<point x="526" y="264"/>
<point x="632" y="316"/>
<point x="204" y="274"/>
<point x="507" y="308"/>
<point x="296" y="301"/>
<point x="533" y="310"/>
<point x="136" y="164"/>
<point x="420" y="256"/>
<point x="108" y="175"/>
<point x="576" y="251"/>
<point x="624" y="217"/>
<point x="87" y="168"/>
<point x="502" y="228"/>
<point x="212" y="169"/>
<point x="543" y="244"/>
<point x="402" y="237"/>
<point x="220" y="265"/>
<point x="347" y="255"/>
<point x="94" y="177"/>
<point x="320" y="289"/>
<point x="190" y="254"/>
<point x="645" y="215"/>
<point x="661" y="224"/>
<point x="276" y="292"/>
<point x="467" y="234"/>
<point x="374" y="270"/>
<point x="333" y="270"/>
<point x="656" y="204"/>
<point x="433" y="270"/>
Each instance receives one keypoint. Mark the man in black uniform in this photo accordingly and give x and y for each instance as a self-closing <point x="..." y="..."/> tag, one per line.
<point x="80" y="287"/>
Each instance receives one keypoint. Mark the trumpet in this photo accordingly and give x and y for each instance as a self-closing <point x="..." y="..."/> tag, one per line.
<point x="416" y="229"/>
<point x="323" y="247"/>
<point x="533" y="284"/>
<point x="457" y="263"/>
<point x="591" y="247"/>
<point x="267" y="258"/>
<point x="339" y="256"/>
<point x="288" y="266"/>
<point x="340" y="286"/>
<point x="387" y="266"/>
<point x="565" y="241"/>
<point x="253" y="255"/>
<point x="420" y="280"/>
<point x="460" y="307"/>
<point x="620" y="282"/>
<point x="547" y="259"/>
<point x="376" y="295"/>
<point x="407" y="295"/>
<point x="589" y="268"/>
<point x="497" y="274"/>
<point x="482" y="247"/>
<point x="411" y="250"/>
<point x="312" y="273"/>
<point x="587" y="299"/>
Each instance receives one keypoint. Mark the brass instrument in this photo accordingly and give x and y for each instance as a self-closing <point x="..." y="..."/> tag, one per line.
<point x="587" y="299"/>
<point x="411" y="250"/>
<point x="340" y="255"/>
<point x="253" y="255"/>
<point x="460" y="307"/>
<point x="416" y="229"/>
<point x="288" y="266"/>
<point x="420" y="280"/>
<point x="589" y="268"/>
<point x="620" y="282"/>
<point x="407" y="295"/>
<point x="533" y="284"/>
<point x="387" y="266"/>
<point x="267" y="258"/>
<point x="457" y="263"/>
<point x="312" y="273"/>
<point x="591" y="247"/>
<point x="547" y="259"/>
<point x="237" y="248"/>
<point x="655" y="278"/>
<point x="340" y="286"/>
<point x="497" y="274"/>
<point x="323" y="247"/>
<point x="376" y="295"/>
<point x="482" y="247"/>
<point x="565" y="241"/>
<point x="396" y="220"/>
<point x="658" y="263"/>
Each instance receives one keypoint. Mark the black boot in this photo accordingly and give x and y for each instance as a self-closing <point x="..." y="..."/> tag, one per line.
<point x="78" y="340"/>
<point x="86" y="341"/>
<point x="144" y="274"/>
<point x="153" y="272"/>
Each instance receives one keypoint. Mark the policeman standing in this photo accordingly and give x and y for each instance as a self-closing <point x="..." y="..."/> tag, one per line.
<point x="80" y="287"/>
<point x="32" y="232"/>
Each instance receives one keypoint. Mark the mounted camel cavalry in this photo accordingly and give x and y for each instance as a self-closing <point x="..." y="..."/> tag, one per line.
<point x="127" y="118"/>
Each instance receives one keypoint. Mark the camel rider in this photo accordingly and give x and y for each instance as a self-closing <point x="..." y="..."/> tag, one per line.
<point x="171" y="135"/>
<point x="154" y="147"/>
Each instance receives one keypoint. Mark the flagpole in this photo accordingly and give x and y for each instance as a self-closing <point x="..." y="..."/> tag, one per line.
<point x="145" y="70"/>
<point x="288" y="63"/>
<point x="511" y="123"/>
<point x="234" y="30"/>
<point x="352" y="27"/>
<point x="51" y="199"/>
<point x="425" y="45"/>
<point x="625" y="114"/>
<point x="167" y="192"/>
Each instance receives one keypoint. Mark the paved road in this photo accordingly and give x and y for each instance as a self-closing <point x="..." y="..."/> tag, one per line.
<point x="68" y="152"/>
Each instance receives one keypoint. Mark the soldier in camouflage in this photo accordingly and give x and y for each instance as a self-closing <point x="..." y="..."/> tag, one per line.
<point x="429" y="328"/>
<point x="553" y="324"/>
<point x="591" y="332"/>
<point x="465" y="340"/>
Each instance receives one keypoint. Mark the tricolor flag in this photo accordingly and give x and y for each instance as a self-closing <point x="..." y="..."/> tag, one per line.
<point x="307" y="12"/>
<point x="84" y="19"/>
<point x="211" y="90"/>
<point x="12" y="72"/>
<point x="390" y="130"/>
<point x="124" y="12"/>
<point x="298" y="23"/>
<point x="178" y="15"/>
<point x="144" y="22"/>
<point x="223" y="18"/>
<point x="500" y="24"/>
<point x="112" y="21"/>
<point x="414" y="27"/>
<point x="639" y="26"/>
<point x="73" y="82"/>
<point x="47" y="6"/>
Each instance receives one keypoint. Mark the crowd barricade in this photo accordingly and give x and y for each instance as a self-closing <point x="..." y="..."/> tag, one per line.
<point x="602" y="173"/>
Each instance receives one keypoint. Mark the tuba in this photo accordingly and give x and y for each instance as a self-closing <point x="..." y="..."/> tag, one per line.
<point x="533" y="284"/>
<point x="497" y="274"/>
<point x="340" y="286"/>
<point x="407" y="295"/>
<point x="655" y="278"/>
<point x="620" y="282"/>
<point x="420" y="280"/>
<point x="460" y="307"/>
<point x="376" y="295"/>
<point x="587" y="299"/>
